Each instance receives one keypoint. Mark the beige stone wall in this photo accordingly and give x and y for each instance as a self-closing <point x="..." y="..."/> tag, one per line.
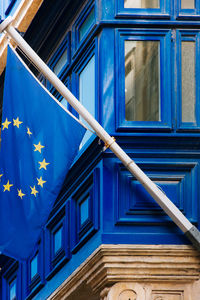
<point x="22" y="19"/>
<point x="153" y="291"/>
<point x="135" y="272"/>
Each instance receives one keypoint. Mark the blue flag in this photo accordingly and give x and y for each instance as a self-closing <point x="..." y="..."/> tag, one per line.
<point x="39" y="141"/>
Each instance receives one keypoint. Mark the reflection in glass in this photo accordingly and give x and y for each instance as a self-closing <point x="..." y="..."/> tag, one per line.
<point x="34" y="266"/>
<point x="86" y="25"/>
<point x="188" y="81"/>
<point x="13" y="290"/>
<point x="87" y="92"/>
<point x="141" y="3"/>
<point x="142" y="80"/>
<point x="84" y="210"/>
<point x="57" y="240"/>
<point x="187" y="4"/>
<point x="64" y="103"/>
<point x="61" y="62"/>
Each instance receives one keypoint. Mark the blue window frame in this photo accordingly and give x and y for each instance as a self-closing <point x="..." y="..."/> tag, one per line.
<point x="34" y="266"/>
<point x="11" y="282"/>
<point x="146" y="9"/>
<point x="13" y="289"/>
<point x="65" y="103"/>
<point x="188" y="9"/>
<point x="87" y="90"/>
<point x="59" y="238"/>
<point x="85" y="84"/>
<point x="86" y="25"/>
<point x="57" y="95"/>
<point x="61" y="59"/>
<point x="151" y="120"/>
<point x="83" y="25"/>
<point x="84" y="210"/>
<point x="57" y="241"/>
<point x="188" y="82"/>
<point x="35" y="270"/>
<point x="85" y="216"/>
<point x="61" y="62"/>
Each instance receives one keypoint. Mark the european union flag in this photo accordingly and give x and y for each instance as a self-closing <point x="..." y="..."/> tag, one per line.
<point x="39" y="141"/>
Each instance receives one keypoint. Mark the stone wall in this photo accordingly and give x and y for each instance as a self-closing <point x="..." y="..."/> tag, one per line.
<point x="135" y="272"/>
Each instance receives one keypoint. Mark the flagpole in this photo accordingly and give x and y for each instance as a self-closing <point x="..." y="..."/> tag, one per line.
<point x="167" y="205"/>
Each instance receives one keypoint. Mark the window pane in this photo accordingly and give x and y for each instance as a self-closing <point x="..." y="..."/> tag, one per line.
<point x="84" y="211"/>
<point x="87" y="91"/>
<point x="86" y="25"/>
<point x="34" y="266"/>
<point x="60" y="63"/>
<point x="142" y="80"/>
<point x="188" y="4"/>
<point x="141" y="3"/>
<point x="64" y="103"/>
<point x="57" y="240"/>
<point x="13" y="290"/>
<point x="188" y="81"/>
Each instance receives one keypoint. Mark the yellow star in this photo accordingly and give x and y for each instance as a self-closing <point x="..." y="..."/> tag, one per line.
<point x="5" y="124"/>
<point x="17" y="122"/>
<point x="40" y="181"/>
<point x="28" y="131"/>
<point x="43" y="164"/>
<point x="33" y="191"/>
<point x="38" y="147"/>
<point x="20" y="194"/>
<point x="7" y="186"/>
<point x="1" y="176"/>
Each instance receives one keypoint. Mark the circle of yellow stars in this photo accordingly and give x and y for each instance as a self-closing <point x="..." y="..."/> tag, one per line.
<point x="42" y="164"/>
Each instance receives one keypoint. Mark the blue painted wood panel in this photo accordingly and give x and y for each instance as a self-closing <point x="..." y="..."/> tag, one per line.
<point x="100" y="201"/>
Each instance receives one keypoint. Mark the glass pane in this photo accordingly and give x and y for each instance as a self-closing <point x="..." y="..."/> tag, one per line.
<point x="188" y="4"/>
<point x="34" y="266"/>
<point x="87" y="91"/>
<point x="60" y="63"/>
<point x="86" y="24"/>
<point x="142" y="80"/>
<point x="57" y="240"/>
<point x="64" y="103"/>
<point x="188" y="81"/>
<point x="141" y="3"/>
<point x="13" y="290"/>
<point x="84" y="211"/>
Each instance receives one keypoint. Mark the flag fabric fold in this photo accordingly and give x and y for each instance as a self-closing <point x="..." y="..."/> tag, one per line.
<point x="39" y="141"/>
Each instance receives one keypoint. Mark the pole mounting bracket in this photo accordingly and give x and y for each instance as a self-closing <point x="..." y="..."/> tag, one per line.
<point x="107" y="145"/>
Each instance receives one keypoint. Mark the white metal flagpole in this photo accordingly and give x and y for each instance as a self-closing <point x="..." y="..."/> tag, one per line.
<point x="171" y="210"/>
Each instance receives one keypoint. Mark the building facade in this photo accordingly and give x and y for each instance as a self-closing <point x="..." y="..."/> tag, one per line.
<point x="134" y="65"/>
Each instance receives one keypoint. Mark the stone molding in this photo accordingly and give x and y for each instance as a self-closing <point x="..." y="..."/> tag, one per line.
<point x="112" y="264"/>
<point x="23" y="16"/>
